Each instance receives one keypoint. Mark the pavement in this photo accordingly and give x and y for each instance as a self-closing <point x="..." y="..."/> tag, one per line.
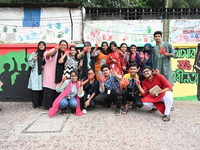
<point x="24" y="128"/>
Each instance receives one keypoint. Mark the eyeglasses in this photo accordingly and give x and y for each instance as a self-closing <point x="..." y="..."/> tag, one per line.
<point x="145" y="71"/>
<point x="74" y="76"/>
<point x="63" y="45"/>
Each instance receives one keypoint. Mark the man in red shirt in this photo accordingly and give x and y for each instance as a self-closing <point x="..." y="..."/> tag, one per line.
<point x="161" y="100"/>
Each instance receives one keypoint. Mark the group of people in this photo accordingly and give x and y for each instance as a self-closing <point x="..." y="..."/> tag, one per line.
<point x="106" y="75"/>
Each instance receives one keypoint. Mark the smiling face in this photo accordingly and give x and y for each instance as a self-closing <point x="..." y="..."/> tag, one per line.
<point x="158" y="38"/>
<point x="73" y="77"/>
<point x="104" y="47"/>
<point x="133" y="70"/>
<point x="63" y="46"/>
<point x="113" y="48"/>
<point x="72" y="51"/>
<point x="41" y="46"/>
<point x="123" y="48"/>
<point x="147" y="73"/>
<point x="133" y="49"/>
<point x="106" y="72"/>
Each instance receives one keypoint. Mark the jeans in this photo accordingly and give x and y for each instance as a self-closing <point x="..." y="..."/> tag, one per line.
<point x="72" y="102"/>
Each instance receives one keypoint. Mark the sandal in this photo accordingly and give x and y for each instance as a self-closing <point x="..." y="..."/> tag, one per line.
<point x="166" y="118"/>
<point x="124" y="111"/>
<point x="134" y="107"/>
<point x="172" y="108"/>
<point x="153" y="110"/>
<point x="63" y="112"/>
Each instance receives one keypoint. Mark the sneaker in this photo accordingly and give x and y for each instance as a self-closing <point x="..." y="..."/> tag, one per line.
<point x="34" y="107"/>
<point x="118" y="112"/>
<point x="84" y="111"/>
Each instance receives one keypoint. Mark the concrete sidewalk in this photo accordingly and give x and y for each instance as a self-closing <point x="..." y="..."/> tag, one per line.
<point x="23" y="128"/>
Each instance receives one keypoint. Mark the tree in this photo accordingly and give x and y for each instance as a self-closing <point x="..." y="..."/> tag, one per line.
<point x="182" y="3"/>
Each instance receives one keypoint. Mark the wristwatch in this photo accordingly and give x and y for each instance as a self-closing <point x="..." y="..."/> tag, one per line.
<point x="156" y="94"/>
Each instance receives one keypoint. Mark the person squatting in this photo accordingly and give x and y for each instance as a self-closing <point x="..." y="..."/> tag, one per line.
<point x="65" y="77"/>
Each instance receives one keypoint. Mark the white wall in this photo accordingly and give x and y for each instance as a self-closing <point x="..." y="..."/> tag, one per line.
<point x="55" y="24"/>
<point x="128" y="31"/>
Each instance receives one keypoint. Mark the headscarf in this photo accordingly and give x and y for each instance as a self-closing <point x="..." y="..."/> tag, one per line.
<point x="149" y="61"/>
<point x="40" y="58"/>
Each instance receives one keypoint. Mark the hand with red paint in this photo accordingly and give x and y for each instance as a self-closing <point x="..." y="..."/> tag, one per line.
<point x="81" y="83"/>
<point x="126" y="82"/>
<point x="162" y="51"/>
<point x="85" y="49"/>
<point x="146" y="56"/>
<point x="155" y="71"/>
<point x="67" y="52"/>
<point x="96" y="46"/>
<point x="133" y="56"/>
<point x="103" y="79"/>
<point x="142" y="55"/>
<point x="64" y="78"/>
<point x="137" y="82"/>
<point x="91" y="76"/>
<point x="56" y="48"/>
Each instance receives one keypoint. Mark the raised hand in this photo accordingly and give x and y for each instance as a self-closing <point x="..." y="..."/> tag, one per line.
<point x="103" y="79"/>
<point x="133" y="56"/>
<point x="96" y="46"/>
<point x="126" y="82"/>
<point x="162" y="51"/>
<point x="155" y="71"/>
<point x="90" y="77"/>
<point x="142" y="55"/>
<point x="56" y="48"/>
<point x="81" y="83"/>
<point x="146" y="56"/>
<point x="64" y="78"/>
<point x="85" y="49"/>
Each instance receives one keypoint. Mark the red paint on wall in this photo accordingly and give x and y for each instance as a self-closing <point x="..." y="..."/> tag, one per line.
<point x="6" y="48"/>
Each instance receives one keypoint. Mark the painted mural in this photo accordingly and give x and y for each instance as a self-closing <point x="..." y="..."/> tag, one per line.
<point x="131" y="32"/>
<point x="186" y="72"/>
<point x="52" y="32"/>
<point x="184" y="31"/>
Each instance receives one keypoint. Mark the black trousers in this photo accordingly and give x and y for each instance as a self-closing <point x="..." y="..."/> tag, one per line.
<point x="84" y="99"/>
<point x="49" y="96"/>
<point x="129" y="97"/>
<point x="37" y="97"/>
<point x="115" y="96"/>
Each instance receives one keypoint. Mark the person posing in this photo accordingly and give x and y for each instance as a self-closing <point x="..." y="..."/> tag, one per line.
<point x="130" y="83"/>
<point x="116" y="59"/>
<point x="109" y="89"/>
<point x="70" y="61"/>
<point x="161" y="100"/>
<point x="91" y="89"/>
<point x="147" y="55"/>
<point x="123" y="48"/>
<point x="88" y="61"/>
<point x="53" y="72"/>
<point x="71" y="90"/>
<point x="161" y="57"/>
<point x="135" y="57"/>
<point x="36" y="62"/>
<point x="101" y="58"/>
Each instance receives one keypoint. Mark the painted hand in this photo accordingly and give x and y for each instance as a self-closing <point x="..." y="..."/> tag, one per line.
<point x="142" y="55"/>
<point x="146" y="56"/>
<point x="103" y="79"/>
<point x="96" y="46"/>
<point x="90" y="77"/>
<point x="162" y="51"/>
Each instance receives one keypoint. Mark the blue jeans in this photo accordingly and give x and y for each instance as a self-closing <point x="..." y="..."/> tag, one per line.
<point x="72" y="102"/>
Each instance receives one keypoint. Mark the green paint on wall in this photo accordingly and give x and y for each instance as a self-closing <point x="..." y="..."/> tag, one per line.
<point x="20" y="60"/>
<point x="186" y="98"/>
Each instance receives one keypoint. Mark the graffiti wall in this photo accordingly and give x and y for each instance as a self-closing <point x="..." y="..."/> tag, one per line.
<point x="128" y="31"/>
<point x="186" y="72"/>
<point x="50" y="25"/>
<point x="184" y="31"/>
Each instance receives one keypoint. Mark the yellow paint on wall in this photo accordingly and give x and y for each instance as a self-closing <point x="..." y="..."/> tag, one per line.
<point x="184" y="89"/>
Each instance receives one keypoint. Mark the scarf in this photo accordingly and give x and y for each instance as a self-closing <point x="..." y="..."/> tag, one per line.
<point x="56" y="103"/>
<point x="59" y="68"/>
